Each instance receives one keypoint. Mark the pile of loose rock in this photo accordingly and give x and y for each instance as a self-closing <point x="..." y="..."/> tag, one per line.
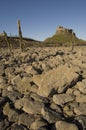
<point x="43" y="89"/>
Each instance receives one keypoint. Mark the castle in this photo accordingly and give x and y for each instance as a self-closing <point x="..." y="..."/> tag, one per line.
<point x="62" y="30"/>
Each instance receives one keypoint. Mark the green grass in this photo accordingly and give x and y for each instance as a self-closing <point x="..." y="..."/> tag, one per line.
<point x="64" y="39"/>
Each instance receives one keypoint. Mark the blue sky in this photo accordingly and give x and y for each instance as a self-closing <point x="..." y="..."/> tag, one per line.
<point x="40" y="18"/>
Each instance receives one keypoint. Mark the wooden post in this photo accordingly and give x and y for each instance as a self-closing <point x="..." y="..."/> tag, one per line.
<point x="20" y="35"/>
<point x="6" y="39"/>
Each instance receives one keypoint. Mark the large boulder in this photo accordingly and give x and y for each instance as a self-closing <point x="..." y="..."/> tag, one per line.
<point x="56" y="80"/>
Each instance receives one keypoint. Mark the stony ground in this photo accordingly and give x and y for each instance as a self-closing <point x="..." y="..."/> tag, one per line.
<point x="43" y="89"/>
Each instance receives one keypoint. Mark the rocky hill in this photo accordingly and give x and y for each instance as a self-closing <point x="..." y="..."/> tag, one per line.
<point x="64" y="36"/>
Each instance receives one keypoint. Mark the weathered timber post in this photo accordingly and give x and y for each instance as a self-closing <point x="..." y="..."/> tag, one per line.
<point x="6" y="39"/>
<point x="20" y="35"/>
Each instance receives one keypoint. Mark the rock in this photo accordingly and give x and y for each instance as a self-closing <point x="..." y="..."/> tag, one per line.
<point x="50" y="115"/>
<point x="68" y="112"/>
<point x="81" y="109"/>
<point x="4" y="124"/>
<point x="17" y="127"/>
<point x="81" y="98"/>
<point x="30" y="70"/>
<point x="2" y="101"/>
<point x="26" y="120"/>
<point x="22" y="85"/>
<point x="14" y="95"/>
<point x="2" y="72"/>
<point x="2" y="83"/>
<point x="6" y="109"/>
<point x="62" y="125"/>
<point x="9" y="71"/>
<point x="19" y="103"/>
<point x="81" y="86"/>
<point x="29" y="106"/>
<point x="82" y="120"/>
<point x="70" y="91"/>
<point x="13" y="116"/>
<point x="43" y="88"/>
<point x="61" y="99"/>
<point x="36" y="97"/>
<point x="32" y="107"/>
<point x="55" y="107"/>
<point x="58" y="79"/>
<point x="16" y="80"/>
<point x="38" y="124"/>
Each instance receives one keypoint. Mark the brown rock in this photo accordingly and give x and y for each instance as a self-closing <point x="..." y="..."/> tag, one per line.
<point x="61" y="125"/>
<point x="81" y="109"/>
<point x="58" y="79"/>
<point x="61" y="99"/>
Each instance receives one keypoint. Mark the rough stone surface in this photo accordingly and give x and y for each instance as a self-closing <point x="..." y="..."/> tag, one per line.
<point x="61" y="125"/>
<point x="61" y="99"/>
<point x="43" y="89"/>
<point x="58" y="79"/>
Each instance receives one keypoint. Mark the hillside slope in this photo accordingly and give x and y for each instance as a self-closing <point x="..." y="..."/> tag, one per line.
<point x="64" y="36"/>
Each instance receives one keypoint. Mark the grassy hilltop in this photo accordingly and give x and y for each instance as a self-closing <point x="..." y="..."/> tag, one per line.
<point x="64" y="36"/>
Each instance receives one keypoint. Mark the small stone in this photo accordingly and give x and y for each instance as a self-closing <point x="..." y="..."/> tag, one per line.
<point x="18" y="127"/>
<point x="68" y="112"/>
<point x="38" y="124"/>
<point x="4" y="124"/>
<point x="62" y="125"/>
<point x="26" y="119"/>
<point x="13" y="116"/>
<point x="32" y="107"/>
<point x="6" y="109"/>
<point x="82" y="87"/>
<point x="50" y="115"/>
<point x="81" y="98"/>
<point x="81" y="109"/>
<point x="61" y="99"/>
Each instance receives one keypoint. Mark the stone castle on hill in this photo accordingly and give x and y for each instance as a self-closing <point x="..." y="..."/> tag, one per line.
<point x="62" y="30"/>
